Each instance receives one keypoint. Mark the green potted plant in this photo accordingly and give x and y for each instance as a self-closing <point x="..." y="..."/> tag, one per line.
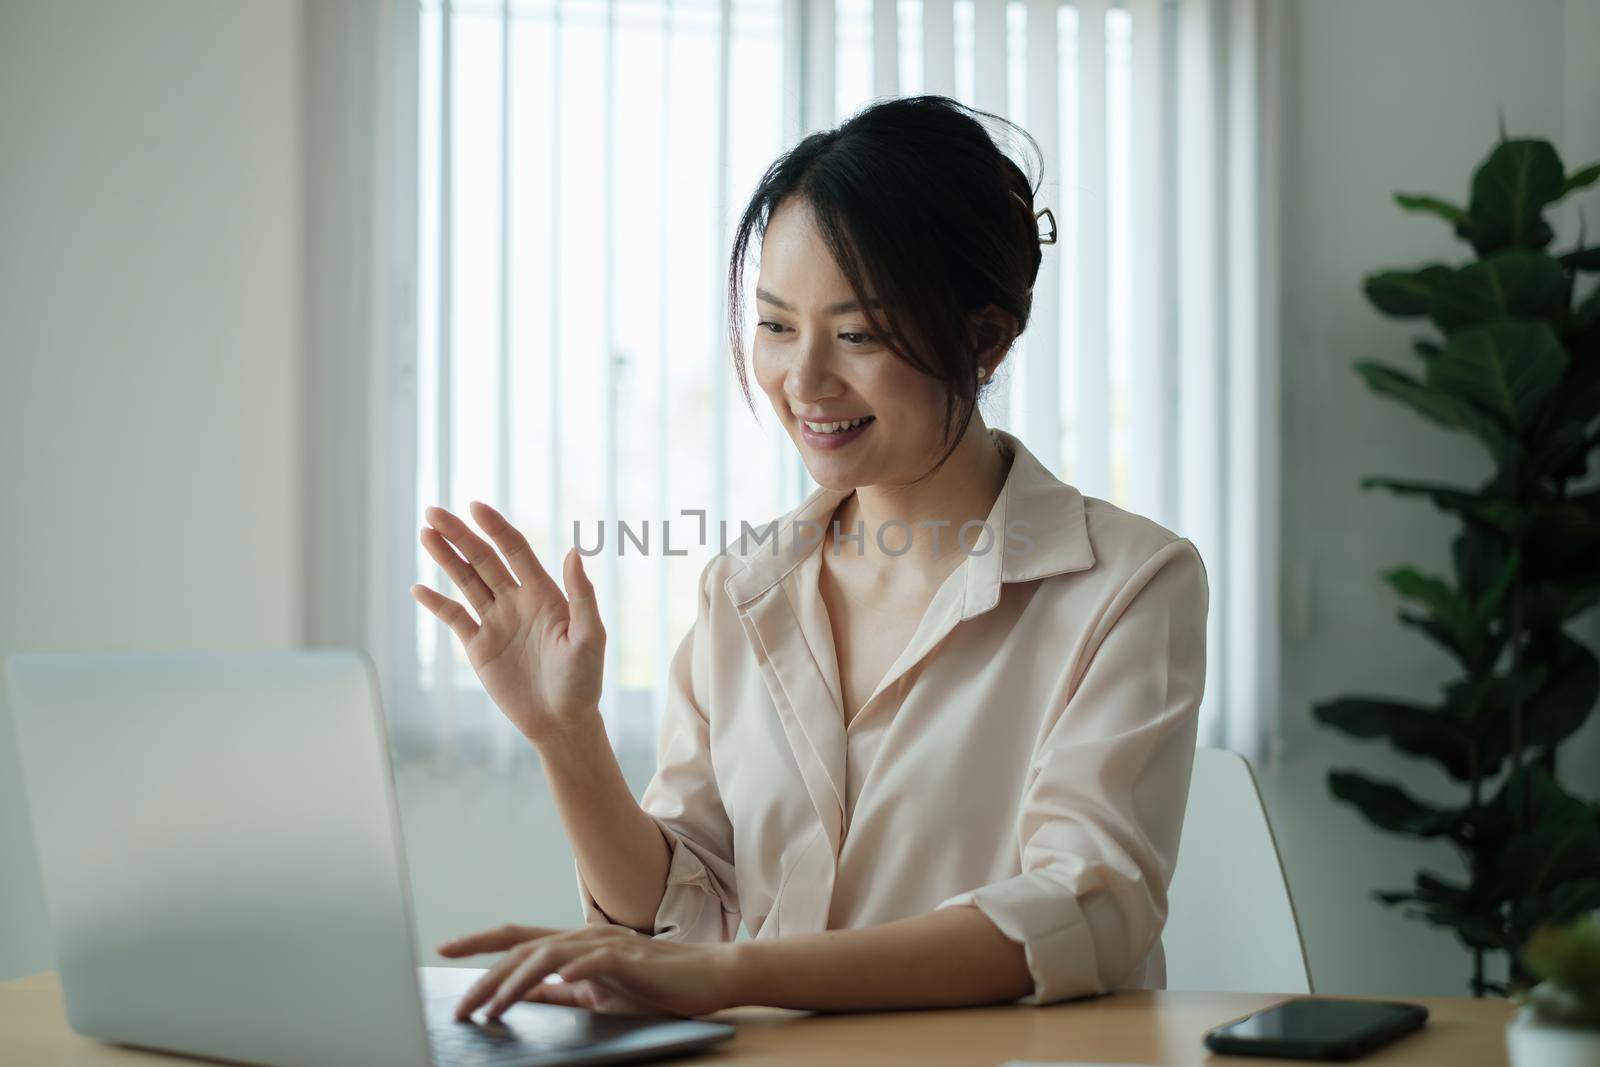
<point x="1559" y="1023"/>
<point x="1513" y="362"/>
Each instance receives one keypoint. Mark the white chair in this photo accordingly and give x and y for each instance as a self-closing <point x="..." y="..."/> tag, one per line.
<point x="1231" y="926"/>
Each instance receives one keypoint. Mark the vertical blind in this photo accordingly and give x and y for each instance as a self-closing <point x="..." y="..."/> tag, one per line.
<point x="579" y="168"/>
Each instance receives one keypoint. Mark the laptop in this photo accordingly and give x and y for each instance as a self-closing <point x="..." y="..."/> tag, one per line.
<point x="223" y="868"/>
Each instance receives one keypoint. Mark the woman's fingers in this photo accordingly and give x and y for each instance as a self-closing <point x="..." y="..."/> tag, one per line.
<point x="460" y="621"/>
<point x="585" y="624"/>
<point x="460" y="571"/>
<point x="534" y="968"/>
<point x="489" y="981"/>
<point x="524" y="564"/>
<point x="492" y="979"/>
<point x="497" y="940"/>
<point x="478" y="552"/>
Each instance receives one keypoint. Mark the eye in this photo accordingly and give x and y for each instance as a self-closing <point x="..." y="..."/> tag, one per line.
<point x="765" y="322"/>
<point x="865" y="338"/>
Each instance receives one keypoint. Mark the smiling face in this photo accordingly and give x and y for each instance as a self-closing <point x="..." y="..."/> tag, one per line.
<point x="858" y="413"/>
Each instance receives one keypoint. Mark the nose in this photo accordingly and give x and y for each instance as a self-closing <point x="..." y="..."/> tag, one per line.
<point x="810" y="375"/>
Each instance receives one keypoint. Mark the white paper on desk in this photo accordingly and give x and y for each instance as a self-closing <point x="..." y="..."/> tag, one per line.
<point x="1058" y="1063"/>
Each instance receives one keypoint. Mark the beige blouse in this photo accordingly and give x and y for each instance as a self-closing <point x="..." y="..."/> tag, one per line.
<point x="1028" y="754"/>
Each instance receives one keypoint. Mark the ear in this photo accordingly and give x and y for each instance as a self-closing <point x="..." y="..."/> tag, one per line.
<point x="993" y="331"/>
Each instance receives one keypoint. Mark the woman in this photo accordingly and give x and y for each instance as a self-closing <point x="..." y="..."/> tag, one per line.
<point x="931" y="733"/>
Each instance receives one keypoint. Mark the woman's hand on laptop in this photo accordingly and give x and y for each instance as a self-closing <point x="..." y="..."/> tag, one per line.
<point x="601" y="967"/>
<point x="539" y="654"/>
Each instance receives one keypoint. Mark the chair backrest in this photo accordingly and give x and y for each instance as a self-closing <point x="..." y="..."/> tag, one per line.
<point x="1231" y="926"/>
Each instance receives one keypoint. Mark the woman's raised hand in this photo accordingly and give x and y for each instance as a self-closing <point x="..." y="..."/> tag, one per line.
<point x="540" y="655"/>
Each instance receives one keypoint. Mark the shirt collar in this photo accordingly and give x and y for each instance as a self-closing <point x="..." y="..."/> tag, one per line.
<point x="1038" y="523"/>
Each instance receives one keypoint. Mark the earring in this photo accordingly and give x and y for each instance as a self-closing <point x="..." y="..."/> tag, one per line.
<point x="983" y="372"/>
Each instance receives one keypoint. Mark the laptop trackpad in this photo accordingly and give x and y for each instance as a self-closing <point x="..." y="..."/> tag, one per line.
<point x="524" y="1023"/>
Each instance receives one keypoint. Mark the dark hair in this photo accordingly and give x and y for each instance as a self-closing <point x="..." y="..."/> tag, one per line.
<point x="922" y="210"/>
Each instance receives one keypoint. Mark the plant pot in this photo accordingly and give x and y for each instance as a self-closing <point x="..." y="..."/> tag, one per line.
<point x="1531" y="1043"/>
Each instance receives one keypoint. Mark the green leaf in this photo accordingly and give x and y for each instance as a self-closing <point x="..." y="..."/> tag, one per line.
<point x="1536" y="807"/>
<point x="1510" y="192"/>
<point x="1448" y="411"/>
<point x="1440" y="635"/>
<point x="1464" y="624"/>
<point x="1588" y="312"/>
<point x="1581" y="179"/>
<point x="1475" y="930"/>
<point x="1481" y="557"/>
<point x="1561" y="452"/>
<point x="1531" y="783"/>
<point x="1498" y="512"/>
<point x="1433" y="206"/>
<point x="1405" y="294"/>
<point x="1390" y="808"/>
<point x="1561" y="442"/>
<point x="1565" y="902"/>
<point x="1411" y="728"/>
<point x="1510" y="284"/>
<point x="1563" y="540"/>
<point x="1558" y="708"/>
<point x="1554" y="604"/>
<point x="1487" y="606"/>
<point x="1394" y="896"/>
<point x="1473" y="698"/>
<point x="1560" y="843"/>
<point x="1582" y="259"/>
<point x="1432" y="887"/>
<point x="1471" y="635"/>
<point x="1434" y="593"/>
<point x="1462" y="909"/>
<point x="1506" y="367"/>
<point x="1426" y="349"/>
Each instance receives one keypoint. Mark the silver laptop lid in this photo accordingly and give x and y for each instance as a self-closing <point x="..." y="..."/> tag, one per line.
<point x="220" y="848"/>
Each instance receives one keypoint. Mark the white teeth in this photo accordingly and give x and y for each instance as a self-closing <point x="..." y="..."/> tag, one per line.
<point x="835" y="427"/>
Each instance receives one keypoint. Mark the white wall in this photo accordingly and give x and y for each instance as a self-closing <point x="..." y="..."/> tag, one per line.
<point x="150" y="338"/>
<point x="1387" y="95"/>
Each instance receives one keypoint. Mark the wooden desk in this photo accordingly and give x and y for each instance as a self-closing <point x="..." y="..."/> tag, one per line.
<point x="1134" y="1028"/>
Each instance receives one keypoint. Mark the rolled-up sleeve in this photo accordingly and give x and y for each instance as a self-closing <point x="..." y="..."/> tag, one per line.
<point x="1103" y="807"/>
<point x="701" y="899"/>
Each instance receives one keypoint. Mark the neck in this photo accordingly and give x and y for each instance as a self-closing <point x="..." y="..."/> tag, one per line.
<point x="963" y="489"/>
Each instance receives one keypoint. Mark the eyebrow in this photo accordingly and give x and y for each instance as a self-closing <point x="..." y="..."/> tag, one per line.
<point x="832" y="309"/>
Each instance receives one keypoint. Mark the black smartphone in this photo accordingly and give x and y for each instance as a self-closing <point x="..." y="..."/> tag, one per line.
<point x="1317" y="1028"/>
